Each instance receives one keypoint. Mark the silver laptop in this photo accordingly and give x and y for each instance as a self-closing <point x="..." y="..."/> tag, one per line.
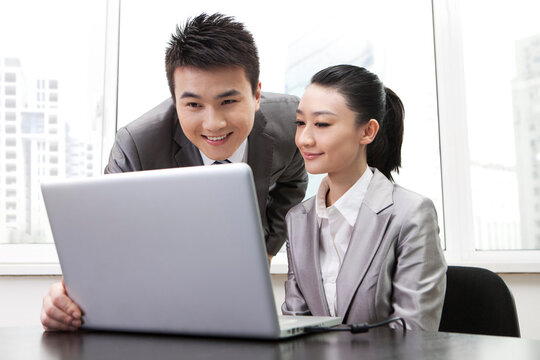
<point x="170" y="251"/>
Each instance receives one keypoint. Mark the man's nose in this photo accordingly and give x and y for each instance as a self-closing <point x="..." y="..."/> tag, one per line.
<point x="214" y="120"/>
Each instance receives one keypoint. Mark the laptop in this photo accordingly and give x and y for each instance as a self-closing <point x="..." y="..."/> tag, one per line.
<point x="178" y="251"/>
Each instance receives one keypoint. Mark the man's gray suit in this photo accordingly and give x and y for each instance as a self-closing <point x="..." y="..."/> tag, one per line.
<point x="156" y="141"/>
<point x="394" y="265"/>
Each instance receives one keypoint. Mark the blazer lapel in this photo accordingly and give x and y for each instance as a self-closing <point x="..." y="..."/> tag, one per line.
<point x="187" y="154"/>
<point x="306" y="255"/>
<point x="366" y="238"/>
<point x="260" y="151"/>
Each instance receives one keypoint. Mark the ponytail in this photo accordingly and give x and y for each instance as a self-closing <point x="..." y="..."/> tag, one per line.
<point x="384" y="153"/>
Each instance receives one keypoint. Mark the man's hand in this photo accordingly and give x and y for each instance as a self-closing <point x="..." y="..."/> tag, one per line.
<point x="270" y="259"/>
<point x="58" y="311"/>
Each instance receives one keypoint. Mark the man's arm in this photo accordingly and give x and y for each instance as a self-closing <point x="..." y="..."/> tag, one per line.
<point x="123" y="157"/>
<point x="288" y="191"/>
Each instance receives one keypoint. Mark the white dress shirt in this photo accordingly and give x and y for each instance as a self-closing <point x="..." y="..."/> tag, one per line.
<point x="335" y="225"/>
<point x="240" y="155"/>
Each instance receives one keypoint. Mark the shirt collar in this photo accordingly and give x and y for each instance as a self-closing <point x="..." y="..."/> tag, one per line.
<point x="320" y="200"/>
<point x="240" y="155"/>
<point x="349" y="203"/>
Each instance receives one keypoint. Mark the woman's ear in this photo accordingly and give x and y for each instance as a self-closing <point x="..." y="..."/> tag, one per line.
<point x="368" y="131"/>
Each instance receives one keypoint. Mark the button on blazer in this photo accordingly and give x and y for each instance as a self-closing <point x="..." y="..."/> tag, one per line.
<point x="394" y="265"/>
<point x="156" y="141"/>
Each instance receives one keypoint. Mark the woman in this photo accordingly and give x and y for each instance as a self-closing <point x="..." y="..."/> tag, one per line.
<point x="363" y="248"/>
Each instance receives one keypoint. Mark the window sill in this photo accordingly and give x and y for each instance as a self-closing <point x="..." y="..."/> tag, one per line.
<point x="280" y="266"/>
<point x="42" y="260"/>
<point x="25" y="269"/>
<point x="29" y="259"/>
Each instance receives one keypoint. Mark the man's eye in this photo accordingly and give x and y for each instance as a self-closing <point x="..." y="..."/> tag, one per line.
<point x="228" y="101"/>
<point x="193" y="105"/>
<point x="299" y="123"/>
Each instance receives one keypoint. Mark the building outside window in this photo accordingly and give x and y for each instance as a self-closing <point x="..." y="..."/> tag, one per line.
<point x="54" y="92"/>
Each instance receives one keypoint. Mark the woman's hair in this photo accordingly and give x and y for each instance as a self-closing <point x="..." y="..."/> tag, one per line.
<point x="366" y="95"/>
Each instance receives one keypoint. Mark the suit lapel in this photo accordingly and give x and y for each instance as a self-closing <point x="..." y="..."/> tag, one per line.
<point x="260" y="151"/>
<point x="366" y="238"/>
<point x="308" y="271"/>
<point x="187" y="154"/>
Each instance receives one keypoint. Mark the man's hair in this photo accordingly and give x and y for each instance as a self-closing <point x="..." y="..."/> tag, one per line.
<point x="210" y="41"/>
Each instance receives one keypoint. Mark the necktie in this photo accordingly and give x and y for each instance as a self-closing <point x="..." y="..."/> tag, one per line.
<point x="219" y="162"/>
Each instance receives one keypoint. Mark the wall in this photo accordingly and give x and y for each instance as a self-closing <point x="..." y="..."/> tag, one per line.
<point x="20" y="299"/>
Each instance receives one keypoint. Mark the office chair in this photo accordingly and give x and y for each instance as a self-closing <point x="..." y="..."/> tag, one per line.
<point x="477" y="301"/>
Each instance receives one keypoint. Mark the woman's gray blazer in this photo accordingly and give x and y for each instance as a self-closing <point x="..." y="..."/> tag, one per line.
<point x="394" y="265"/>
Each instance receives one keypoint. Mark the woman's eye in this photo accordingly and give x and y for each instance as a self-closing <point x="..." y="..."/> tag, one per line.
<point x="299" y="123"/>
<point x="321" y="124"/>
<point x="193" y="105"/>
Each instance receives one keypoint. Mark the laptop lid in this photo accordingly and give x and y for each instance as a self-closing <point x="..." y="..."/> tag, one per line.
<point x="173" y="251"/>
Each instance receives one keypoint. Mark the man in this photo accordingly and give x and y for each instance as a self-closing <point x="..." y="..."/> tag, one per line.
<point x="217" y="113"/>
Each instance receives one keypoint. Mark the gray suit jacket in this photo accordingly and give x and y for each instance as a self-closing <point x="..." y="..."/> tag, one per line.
<point x="394" y="265"/>
<point x="156" y="141"/>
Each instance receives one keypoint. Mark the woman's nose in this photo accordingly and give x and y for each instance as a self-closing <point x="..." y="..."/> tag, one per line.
<point x="304" y="137"/>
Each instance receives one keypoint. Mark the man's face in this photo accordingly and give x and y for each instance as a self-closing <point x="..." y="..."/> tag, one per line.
<point x="216" y="108"/>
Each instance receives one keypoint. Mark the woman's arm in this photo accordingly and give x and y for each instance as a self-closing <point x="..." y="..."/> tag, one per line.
<point x="294" y="304"/>
<point x="419" y="281"/>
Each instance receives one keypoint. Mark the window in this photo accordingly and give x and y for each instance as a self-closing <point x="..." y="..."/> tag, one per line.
<point x="511" y="52"/>
<point x="485" y="131"/>
<point x="10" y="77"/>
<point x="10" y="103"/>
<point x="473" y="221"/>
<point x="471" y="136"/>
<point x="57" y="80"/>
<point x="12" y="62"/>
<point x="11" y="90"/>
<point x="304" y="47"/>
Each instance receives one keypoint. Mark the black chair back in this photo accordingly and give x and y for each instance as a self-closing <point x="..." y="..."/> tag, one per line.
<point x="477" y="301"/>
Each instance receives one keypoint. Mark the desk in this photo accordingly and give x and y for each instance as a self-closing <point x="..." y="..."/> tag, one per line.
<point x="33" y="343"/>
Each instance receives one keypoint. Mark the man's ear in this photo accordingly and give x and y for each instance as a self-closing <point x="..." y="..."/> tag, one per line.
<point x="368" y="131"/>
<point x="258" y="96"/>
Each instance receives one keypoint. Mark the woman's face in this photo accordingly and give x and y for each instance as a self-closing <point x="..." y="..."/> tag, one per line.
<point x="326" y="133"/>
